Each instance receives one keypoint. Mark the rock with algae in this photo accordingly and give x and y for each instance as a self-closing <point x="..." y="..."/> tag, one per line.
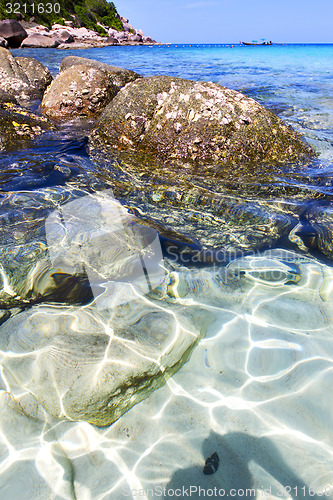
<point x="83" y="364"/>
<point x="176" y="119"/>
<point x="19" y="127"/>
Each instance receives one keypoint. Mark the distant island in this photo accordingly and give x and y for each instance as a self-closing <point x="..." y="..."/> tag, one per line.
<point x="94" y="22"/>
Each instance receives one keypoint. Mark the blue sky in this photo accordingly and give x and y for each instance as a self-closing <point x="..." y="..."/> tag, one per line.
<point x="223" y="21"/>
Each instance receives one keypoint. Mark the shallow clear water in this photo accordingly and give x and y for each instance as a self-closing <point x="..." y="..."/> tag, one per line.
<point x="256" y="388"/>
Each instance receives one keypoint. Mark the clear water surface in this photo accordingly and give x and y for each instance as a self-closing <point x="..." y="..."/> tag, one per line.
<point x="256" y="388"/>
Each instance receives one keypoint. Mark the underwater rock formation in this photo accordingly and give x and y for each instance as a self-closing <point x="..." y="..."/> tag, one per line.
<point x="81" y="364"/>
<point x="18" y="126"/>
<point x="93" y="364"/>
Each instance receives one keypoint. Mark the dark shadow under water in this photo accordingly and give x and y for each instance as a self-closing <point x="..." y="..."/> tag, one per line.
<point x="236" y="452"/>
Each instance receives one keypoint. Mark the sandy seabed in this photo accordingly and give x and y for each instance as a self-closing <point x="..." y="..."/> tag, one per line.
<point x="256" y="390"/>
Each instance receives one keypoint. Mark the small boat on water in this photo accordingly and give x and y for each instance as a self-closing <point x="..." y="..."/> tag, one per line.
<point x="256" y="43"/>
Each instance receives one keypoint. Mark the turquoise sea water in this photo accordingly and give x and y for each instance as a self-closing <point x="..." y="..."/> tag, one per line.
<point x="256" y="388"/>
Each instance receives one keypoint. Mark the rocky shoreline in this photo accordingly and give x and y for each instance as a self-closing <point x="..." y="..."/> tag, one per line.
<point x="29" y="34"/>
<point x="163" y="117"/>
<point x="165" y="132"/>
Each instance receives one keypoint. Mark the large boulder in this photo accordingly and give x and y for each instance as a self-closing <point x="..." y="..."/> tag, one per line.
<point x="6" y="98"/>
<point x="175" y="119"/>
<point x="38" y="41"/>
<point x="148" y="39"/>
<point x="63" y="36"/>
<point x="86" y="365"/>
<point x="13" y="32"/>
<point x="39" y="265"/>
<point x="25" y="78"/>
<point x="83" y="88"/>
<point x="18" y="126"/>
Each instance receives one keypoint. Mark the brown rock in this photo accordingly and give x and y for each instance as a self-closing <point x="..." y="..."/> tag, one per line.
<point x="23" y="77"/>
<point x="175" y="119"/>
<point x="83" y="88"/>
<point x="13" y="32"/>
<point x="63" y="36"/>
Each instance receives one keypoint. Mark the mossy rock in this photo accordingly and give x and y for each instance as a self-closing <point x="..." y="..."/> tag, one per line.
<point x="19" y="127"/>
<point x="176" y="119"/>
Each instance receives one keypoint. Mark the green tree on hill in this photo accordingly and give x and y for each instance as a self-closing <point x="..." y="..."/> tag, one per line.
<point x="87" y="13"/>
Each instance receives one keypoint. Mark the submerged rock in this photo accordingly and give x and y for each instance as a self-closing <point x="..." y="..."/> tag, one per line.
<point x="174" y="119"/>
<point x="120" y="76"/>
<point x="23" y="77"/>
<point x="83" y="88"/>
<point x="81" y="364"/>
<point x="84" y="363"/>
<point x="19" y="127"/>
